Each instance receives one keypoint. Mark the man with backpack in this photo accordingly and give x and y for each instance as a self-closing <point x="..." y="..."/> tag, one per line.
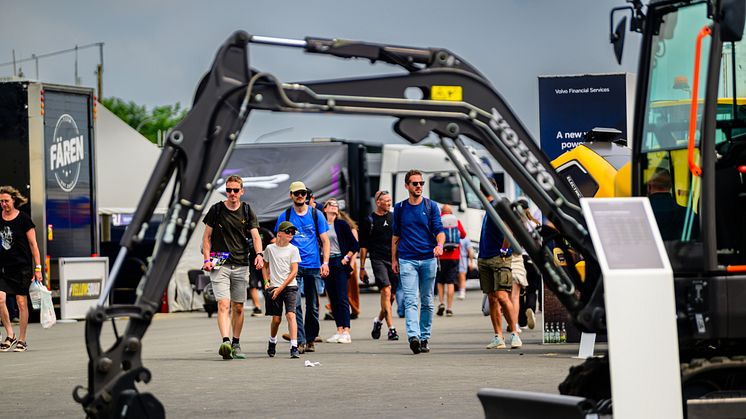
<point x="449" y="260"/>
<point x="312" y="228"/>
<point x="225" y="249"/>
<point x="417" y="241"/>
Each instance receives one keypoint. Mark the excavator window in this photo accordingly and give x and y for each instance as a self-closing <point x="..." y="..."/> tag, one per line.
<point x="665" y="172"/>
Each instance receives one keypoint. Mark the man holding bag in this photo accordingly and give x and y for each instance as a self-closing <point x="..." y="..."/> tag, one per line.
<point x="19" y="257"/>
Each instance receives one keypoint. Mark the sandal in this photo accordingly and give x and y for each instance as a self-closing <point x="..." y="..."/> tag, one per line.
<point x="20" y="346"/>
<point x="8" y="343"/>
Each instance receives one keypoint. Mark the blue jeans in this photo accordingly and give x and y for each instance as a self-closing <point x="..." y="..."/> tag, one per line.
<point x="418" y="276"/>
<point x="400" y="300"/>
<point x="308" y="330"/>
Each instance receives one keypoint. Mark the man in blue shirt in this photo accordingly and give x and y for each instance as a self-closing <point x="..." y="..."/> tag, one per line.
<point x="312" y="227"/>
<point x="417" y="241"/>
<point x="495" y="279"/>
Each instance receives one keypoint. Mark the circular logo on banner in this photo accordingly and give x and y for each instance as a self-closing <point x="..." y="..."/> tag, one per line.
<point x="66" y="153"/>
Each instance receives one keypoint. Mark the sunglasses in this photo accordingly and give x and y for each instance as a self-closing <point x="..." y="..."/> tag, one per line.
<point x="290" y="231"/>
<point x="331" y="204"/>
<point x="421" y="183"/>
<point x="233" y="190"/>
<point x="299" y="193"/>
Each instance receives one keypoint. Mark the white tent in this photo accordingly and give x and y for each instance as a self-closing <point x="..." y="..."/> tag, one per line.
<point x="125" y="160"/>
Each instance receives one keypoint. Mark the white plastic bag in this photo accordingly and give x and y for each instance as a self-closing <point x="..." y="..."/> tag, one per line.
<point x="48" y="318"/>
<point x="34" y="293"/>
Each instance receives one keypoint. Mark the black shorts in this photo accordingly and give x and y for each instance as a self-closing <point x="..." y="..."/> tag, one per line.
<point x="256" y="280"/>
<point x="448" y="272"/>
<point x="383" y="274"/>
<point x="288" y="297"/>
<point x="15" y="280"/>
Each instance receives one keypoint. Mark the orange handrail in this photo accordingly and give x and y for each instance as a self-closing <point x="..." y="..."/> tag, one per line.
<point x="693" y="167"/>
<point x="735" y="268"/>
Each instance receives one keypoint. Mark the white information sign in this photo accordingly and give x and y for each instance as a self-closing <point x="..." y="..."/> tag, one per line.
<point x="82" y="280"/>
<point x="639" y="297"/>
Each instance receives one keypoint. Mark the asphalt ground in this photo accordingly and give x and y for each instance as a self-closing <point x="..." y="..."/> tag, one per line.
<point x="367" y="378"/>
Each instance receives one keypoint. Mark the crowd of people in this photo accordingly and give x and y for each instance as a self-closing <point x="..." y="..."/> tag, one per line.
<point x="414" y="246"/>
<point x="414" y="250"/>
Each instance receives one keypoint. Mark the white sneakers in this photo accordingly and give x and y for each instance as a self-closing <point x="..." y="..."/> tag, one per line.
<point x="530" y="318"/>
<point x="337" y="338"/>
<point x="461" y="294"/>
<point x="496" y="343"/>
<point x="515" y="341"/>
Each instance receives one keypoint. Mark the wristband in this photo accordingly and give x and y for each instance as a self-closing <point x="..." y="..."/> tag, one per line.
<point x="260" y="254"/>
<point x="439" y="245"/>
<point x="325" y="263"/>
<point x="37" y="269"/>
<point x="206" y="260"/>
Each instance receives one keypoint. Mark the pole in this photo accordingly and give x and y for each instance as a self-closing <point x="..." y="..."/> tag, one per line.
<point x="36" y="61"/>
<point x="100" y="71"/>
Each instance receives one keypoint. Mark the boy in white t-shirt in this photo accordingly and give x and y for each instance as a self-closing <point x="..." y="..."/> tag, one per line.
<point x="280" y="286"/>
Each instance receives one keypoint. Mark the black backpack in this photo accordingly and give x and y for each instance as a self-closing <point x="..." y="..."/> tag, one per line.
<point x="246" y="222"/>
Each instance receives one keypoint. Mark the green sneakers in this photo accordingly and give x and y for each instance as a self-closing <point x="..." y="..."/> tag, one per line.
<point x="236" y="352"/>
<point x="225" y="350"/>
<point x="231" y="351"/>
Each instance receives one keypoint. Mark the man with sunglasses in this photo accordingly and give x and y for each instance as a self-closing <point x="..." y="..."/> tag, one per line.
<point x="417" y="241"/>
<point x="375" y="240"/>
<point x="225" y="250"/>
<point x="312" y="228"/>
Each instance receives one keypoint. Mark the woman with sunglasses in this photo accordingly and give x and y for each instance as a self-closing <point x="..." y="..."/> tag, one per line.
<point x="343" y="247"/>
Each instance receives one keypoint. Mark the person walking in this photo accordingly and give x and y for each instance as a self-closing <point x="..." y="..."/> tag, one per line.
<point x="312" y="230"/>
<point x="449" y="261"/>
<point x="465" y="264"/>
<point x="281" y="286"/>
<point x="353" y="287"/>
<point x="416" y="242"/>
<point x="255" y="275"/>
<point x="20" y="263"/>
<point x="225" y="248"/>
<point x="375" y="239"/>
<point x="495" y="279"/>
<point x="342" y="249"/>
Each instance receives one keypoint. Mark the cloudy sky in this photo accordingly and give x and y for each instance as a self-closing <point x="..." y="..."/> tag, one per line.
<point x="156" y="51"/>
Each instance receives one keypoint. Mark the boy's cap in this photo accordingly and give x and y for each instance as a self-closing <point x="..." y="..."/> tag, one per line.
<point x="286" y="225"/>
<point x="297" y="186"/>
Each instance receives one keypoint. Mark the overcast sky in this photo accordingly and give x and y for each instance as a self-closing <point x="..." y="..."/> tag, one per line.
<point x="156" y="51"/>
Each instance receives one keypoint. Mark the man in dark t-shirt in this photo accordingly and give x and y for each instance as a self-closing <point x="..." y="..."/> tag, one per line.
<point x="375" y="241"/>
<point x="225" y="249"/>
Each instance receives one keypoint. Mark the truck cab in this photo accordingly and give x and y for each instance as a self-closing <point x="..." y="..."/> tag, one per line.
<point x="444" y="184"/>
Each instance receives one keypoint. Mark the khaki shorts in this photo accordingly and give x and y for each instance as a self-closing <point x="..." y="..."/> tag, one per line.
<point x="230" y="282"/>
<point x="495" y="274"/>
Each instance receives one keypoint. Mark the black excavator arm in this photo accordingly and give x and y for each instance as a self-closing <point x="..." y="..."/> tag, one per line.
<point x="456" y="101"/>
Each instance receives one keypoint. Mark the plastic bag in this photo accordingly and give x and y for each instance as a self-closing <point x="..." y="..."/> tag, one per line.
<point x="34" y="293"/>
<point x="48" y="318"/>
